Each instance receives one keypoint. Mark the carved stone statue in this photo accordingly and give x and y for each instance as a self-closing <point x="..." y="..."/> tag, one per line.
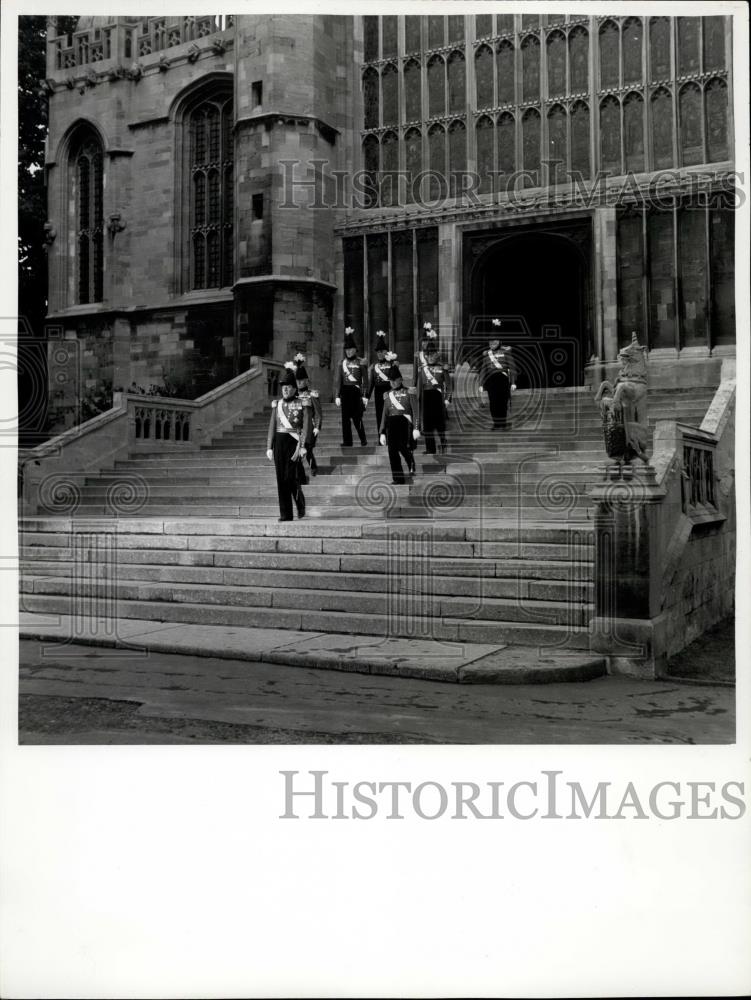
<point x="623" y="407"/>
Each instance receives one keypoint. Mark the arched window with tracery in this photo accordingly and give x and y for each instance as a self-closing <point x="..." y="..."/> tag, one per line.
<point x="580" y="158"/>
<point x="578" y="60"/>
<point x="390" y="90"/>
<point x="661" y="108"/>
<point x="531" y="134"/>
<point x="609" y="56"/>
<point x="413" y="90"/>
<point x="610" y="136"/>
<point x="556" y="46"/>
<point x="370" y="97"/>
<point x="506" y="75"/>
<point x="633" y="132"/>
<point x="484" y="77"/>
<point x="485" y="142"/>
<point x="659" y="48"/>
<point x="87" y="183"/>
<point x="211" y="165"/>
<point x="437" y="162"/>
<point x="557" y="145"/>
<point x="389" y="169"/>
<point x="457" y="75"/>
<point x="531" y="68"/>
<point x="506" y="135"/>
<point x="631" y="42"/>
<point x="716" y="98"/>
<point x="690" y="120"/>
<point x="457" y="157"/>
<point x="413" y="163"/>
<point x="436" y="87"/>
<point x="371" y="164"/>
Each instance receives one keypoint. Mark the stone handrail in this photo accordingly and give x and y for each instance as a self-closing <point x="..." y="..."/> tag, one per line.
<point x="665" y="542"/>
<point x="62" y="463"/>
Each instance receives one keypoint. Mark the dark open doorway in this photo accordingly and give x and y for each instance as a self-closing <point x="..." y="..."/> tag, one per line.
<point x="537" y="281"/>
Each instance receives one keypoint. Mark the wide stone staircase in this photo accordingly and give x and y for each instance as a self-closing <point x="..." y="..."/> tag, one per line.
<point x="491" y="543"/>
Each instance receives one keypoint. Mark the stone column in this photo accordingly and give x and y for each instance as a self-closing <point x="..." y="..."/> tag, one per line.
<point x="449" y="288"/>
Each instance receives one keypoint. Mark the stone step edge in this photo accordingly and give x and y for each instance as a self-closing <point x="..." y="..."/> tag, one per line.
<point x="453" y="662"/>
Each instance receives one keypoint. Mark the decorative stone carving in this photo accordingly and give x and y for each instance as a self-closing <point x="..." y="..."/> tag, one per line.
<point x="623" y="407"/>
<point x="164" y="63"/>
<point x="219" y="46"/>
<point x="193" y="53"/>
<point x="46" y="87"/>
<point x="115" y="224"/>
<point x="91" y="78"/>
<point x="135" y="72"/>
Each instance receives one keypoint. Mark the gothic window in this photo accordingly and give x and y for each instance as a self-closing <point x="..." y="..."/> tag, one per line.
<point x="437" y="162"/>
<point x="610" y="136"/>
<point x="390" y="85"/>
<point x="633" y="132"/>
<point x="690" y="118"/>
<point x="505" y="24"/>
<point x="389" y="169"/>
<point x="483" y="25"/>
<point x="631" y="41"/>
<point x="659" y="48"/>
<point x="370" y="97"/>
<point x="457" y="157"/>
<point x="688" y="45"/>
<point x="531" y="147"/>
<point x="413" y="162"/>
<point x="389" y="33"/>
<point x="505" y="65"/>
<point x="716" y="97"/>
<point x="484" y="134"/>
<point x="530" y="22"/>
<point x="412" y="40"/>
<point x="87" y="183"/>
<point x="370" y="31"/>
<point x="722" y="274"/>
<point x="457" y="83"/>
<point x="211" y="158"/>
<point x="436" y="87"/>
<point x="556" y="46"/>
<point x="557" y="151"/>
<point x="578" y="60"/>
<point x="531" y="68"/>
<point x="413" y="90"/>
<point x="506" y="132"/>
<point x="662" y="129"/>
<point x="371" y="164"/>
<point x="630" y="260"/>
<point x="609" y="73"/>
<point x="692" y="267"/>
<point x="436" y="32"/>
<point x="714" y="43"/>
<point x="456" y="28"/>
<point x="484" y="77"/>
<point x="580" y="139"/>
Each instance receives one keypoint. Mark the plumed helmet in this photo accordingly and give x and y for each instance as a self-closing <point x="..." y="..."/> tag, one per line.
<point x="302" y="372"/>
<point x="394" y="372"/>
<point x="288" y="375"/>
<point x="349" y="340"/>
<point x="380" y="344"/>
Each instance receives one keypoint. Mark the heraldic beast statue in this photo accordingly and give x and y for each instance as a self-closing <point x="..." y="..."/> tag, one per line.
<point x="623" y="407"/>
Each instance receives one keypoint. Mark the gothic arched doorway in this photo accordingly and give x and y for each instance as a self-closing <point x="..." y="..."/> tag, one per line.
<point x="537" y="281"/>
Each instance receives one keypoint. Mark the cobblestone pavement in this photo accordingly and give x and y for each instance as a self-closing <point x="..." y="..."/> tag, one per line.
<point x="88" y="695"/>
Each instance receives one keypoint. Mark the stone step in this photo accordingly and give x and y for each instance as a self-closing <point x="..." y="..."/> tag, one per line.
<point x="541" y="633"/>
<point x="516" y="587"/>
<point x="55" y="561"/>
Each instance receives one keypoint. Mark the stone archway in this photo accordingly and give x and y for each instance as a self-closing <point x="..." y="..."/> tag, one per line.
<point x="537" y="280"/>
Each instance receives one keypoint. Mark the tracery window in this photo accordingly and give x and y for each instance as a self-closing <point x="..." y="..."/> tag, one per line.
<point x="557" y="145"/>
<point x="662" y="129"/>
<point x="371" y="164"/>
<point x="633" y="132"/>
<point x="390" y="85"/>
<point x="578" y="59"/>
<point x="610" y="136"/>
<point x="389" y="169"/>
<point x="211" y="162"/>
<point x="436" y="87"/>
<point x="413" y="162"/>
<point x="631" y="41"/>
<point x="609" y="65"/>
<point x="531" y="68"/>
<point x="457" y="83"/>
<point x="483" y="25"/>
<point x="556" y="46"/>
<point x="505" y="66"/>
<point x="437" y="162"/>
<point x="457" y="157"/>
<point x="580" y="159"/>
<point x="389" y="42"/>
<point x="413" y="90"/>
<point x="688" y="45"/>
<point x="716" y="100"/>
<point x="531" y="147"/>
<point x="87" y="181"/>
<point x="485" y="142"/>
<point x="370" y="97"/>
<point x="506" y="131"/>
<point x="690" y="118"/>
<point x="484" y="77"/>
<point x="659" y="48"/>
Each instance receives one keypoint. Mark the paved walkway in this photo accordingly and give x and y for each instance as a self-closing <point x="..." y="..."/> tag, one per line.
<point x="86" y="695"/>
<point x="478" y="663"/>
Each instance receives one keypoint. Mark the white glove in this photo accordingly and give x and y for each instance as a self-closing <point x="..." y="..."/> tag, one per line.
<point x="513" y="387"/>
<point x="338" y="401"/>
<point x="448" y="403"/>
<point x="415" y="434"/>
<point x="365" y="402"/>
<point x="316" y="431"/>
<point x="480" y="391"/>
<point x="383" y="439"/>
<point x="270" y="455"/>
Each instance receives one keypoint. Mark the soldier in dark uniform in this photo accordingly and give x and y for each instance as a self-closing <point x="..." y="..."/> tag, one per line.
<point x="497" y="378"/>
<point x="353" y="378"/>
<point x="378" y="375"/>
<point x="306" y="393"/>
<point x="427" y="336"/>
<point x="397" y="428"/>
<point x="289" y="427"/>
<point x="433" y="394"/>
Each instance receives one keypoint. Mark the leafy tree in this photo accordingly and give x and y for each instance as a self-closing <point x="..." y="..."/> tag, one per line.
<point x="32" y="195"/>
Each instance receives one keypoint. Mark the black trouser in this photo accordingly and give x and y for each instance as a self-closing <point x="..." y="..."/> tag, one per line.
<point x="399" y="440"/>
<point x="309" y="453"/>
<point x="352" y="410"/>
<point x="289" y="475"/>
<point x="498" y="389"/>
<point x="433" y="418"/>
<point x="379" y="392"/>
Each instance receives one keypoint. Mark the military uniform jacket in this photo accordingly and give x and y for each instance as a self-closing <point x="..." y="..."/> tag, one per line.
<point x="435" y="376"/>
<point x="290" y="416"/>
<point x="497" y="361"/>
<point x="317" y="410"/>
<point x="397" y="403"/>
<point x="353" y="372"/>
<point x="377" y="376"/>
